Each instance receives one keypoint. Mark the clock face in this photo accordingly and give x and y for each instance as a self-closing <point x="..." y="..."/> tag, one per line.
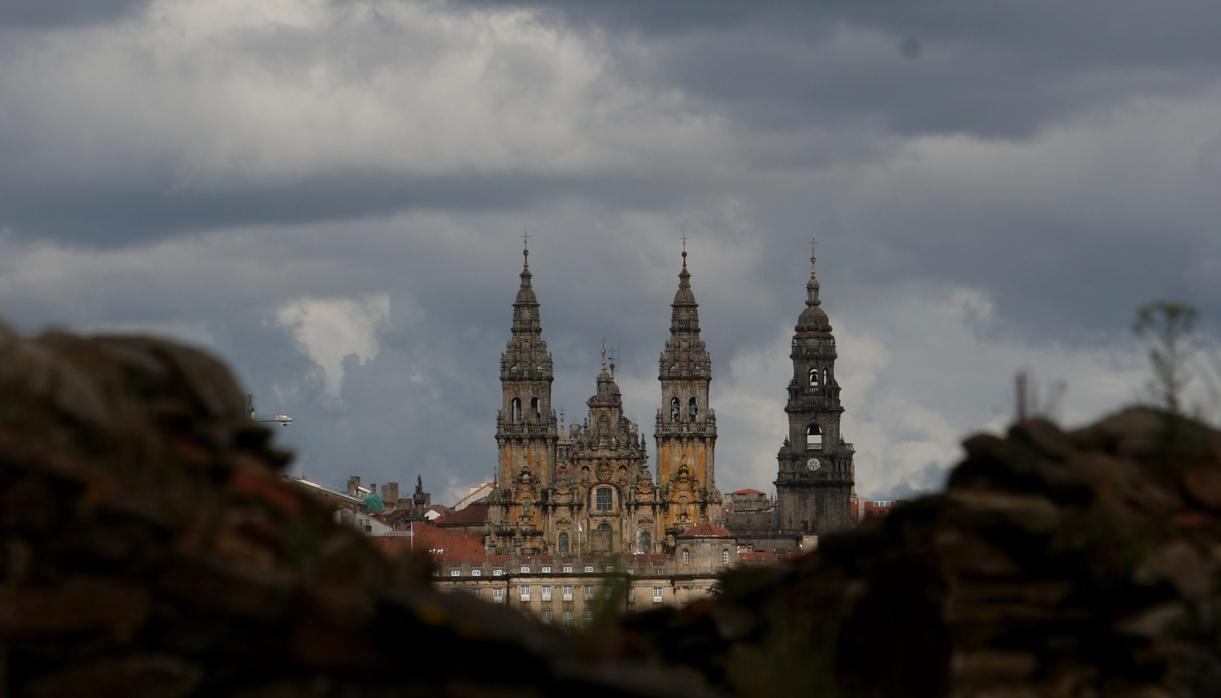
<point x="813" y="464"/>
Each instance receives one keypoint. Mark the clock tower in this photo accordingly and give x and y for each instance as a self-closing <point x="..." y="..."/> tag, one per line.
<point x="815" y="480"/>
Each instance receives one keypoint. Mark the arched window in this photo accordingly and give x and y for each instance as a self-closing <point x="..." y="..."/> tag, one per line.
<point x="674" y="409"/>
<point x="686" y="556"/>
<point x="534" y="407"/>
<point x="602" y="499"/>
<point x="693" y="409"/>
<point x="814" y="438"/>
<point x="826" y="376"/>
<point x="563" y="546"/>
<point x="813" y="378"/>
<point x="724" y="557"/>
<point x="646" y="542"/>
<point x="515" y="410"/>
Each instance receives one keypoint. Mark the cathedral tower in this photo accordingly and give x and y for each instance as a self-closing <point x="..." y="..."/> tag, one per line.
<point x="526" y="431"/>
<point x="815" y="480"/>
<point x="686" y="425"/>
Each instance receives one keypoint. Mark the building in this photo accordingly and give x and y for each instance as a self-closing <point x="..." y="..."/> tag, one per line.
<point x="588" y="490"/>
<point x="575" y="523"/>
<point x="816" y="476"/>
<point x="573" y="589"/>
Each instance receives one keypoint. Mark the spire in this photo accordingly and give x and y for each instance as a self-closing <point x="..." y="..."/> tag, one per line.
<point x="813" y="318"/>
<point x="525" y="306"/>
<point x="812" y="286"/>
<point x="684" y="297"/>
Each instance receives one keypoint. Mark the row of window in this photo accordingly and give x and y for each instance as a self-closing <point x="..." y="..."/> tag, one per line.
<point x="813" y="377"/>
<point x="525" y="569"/>
<point x="687" y="557"/>
<point x="515" y="409"/>
<point x="589" y="593"/>
<point x="693" y="409"/>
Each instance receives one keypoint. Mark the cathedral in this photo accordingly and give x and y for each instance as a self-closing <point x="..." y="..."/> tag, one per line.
<point x="587" y="490"/>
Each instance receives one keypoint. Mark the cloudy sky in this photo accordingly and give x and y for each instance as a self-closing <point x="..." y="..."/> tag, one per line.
<point x="331" y="196"/>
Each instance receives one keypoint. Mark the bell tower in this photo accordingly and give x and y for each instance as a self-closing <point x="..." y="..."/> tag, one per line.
<point x="815" y="480"/>
<point x="526" y="431"/>
<point x="686" y="424"/>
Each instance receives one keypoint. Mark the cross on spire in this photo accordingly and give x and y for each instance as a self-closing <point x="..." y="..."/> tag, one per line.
<point x="683" y="237"/>
<point x="525" y="241"/>
<point x="813" y="242"/>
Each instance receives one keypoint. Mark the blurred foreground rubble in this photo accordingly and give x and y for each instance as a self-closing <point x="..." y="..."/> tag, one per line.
<point x="150" y="549"/>
<point x="1085" y="563"/>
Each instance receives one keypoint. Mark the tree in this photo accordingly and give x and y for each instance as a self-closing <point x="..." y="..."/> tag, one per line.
<point x="1170" y="328"/>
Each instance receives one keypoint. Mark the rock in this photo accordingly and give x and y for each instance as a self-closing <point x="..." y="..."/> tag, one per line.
<point x="1056" y="564"/>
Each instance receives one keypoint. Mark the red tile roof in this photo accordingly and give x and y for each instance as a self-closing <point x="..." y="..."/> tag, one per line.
<point x="748" y="490"/>
<point x="426" y="538"/>
<point x="705" y="530"/>
<point x="474" y="515"/>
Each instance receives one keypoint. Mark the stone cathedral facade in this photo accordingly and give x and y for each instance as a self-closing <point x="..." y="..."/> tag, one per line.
<point x="587" y="489"/>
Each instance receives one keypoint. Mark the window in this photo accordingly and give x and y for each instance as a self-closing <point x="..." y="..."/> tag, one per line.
<point x="545" y="592"/>
<point x="603" y="499"/>
<point x="546" y="615"/>
<point x="546" y="569"/>
<point x="567" y="569"/>
<point x="724" y="557"/>
<point x="514" y="411"/>
<point x="588" y="616"/>
<point x="826" y="376"/>
<point x="563" y="546"/>
<point x="631" y="594"/>
<point x="525" y="592"/>
<point x="814" y="438"/>
<point x="609" y="568"/>
<point x="567" y="592"/>
<point x="455" y="572"/>
<point x="589" y="568"/>
<point x="674" y="409"/>
<point x="693" y="409"/>
<point x="535" y="408"/>
<point x="568" y="617"/>
<point x="686" y="556"/>
<point x="646" y="542"/>
<point x="656" y="594"/>
<point x="476" y="573"/>
<point x="498" y="595"/>
<point x="813" y="378"/>
<point x="589" y="592"/>
<point x="498" y="572"/>
<point x="525" y="569"/>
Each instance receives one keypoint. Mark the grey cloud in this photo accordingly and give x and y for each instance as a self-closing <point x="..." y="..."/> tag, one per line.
<point x="42" y="14"/>
<point x="877" y="152"/>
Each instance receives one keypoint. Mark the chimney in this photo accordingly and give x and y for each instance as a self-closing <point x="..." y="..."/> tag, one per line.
<point x="390" y="494"/>
<point x="354" y="486"/>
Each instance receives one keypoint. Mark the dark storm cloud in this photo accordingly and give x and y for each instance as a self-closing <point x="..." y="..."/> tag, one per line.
<point x="119" y="213"/>
<point x="993" y="185"/>
<point x="42" y="14"/>
<point x="993" y="69"/>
